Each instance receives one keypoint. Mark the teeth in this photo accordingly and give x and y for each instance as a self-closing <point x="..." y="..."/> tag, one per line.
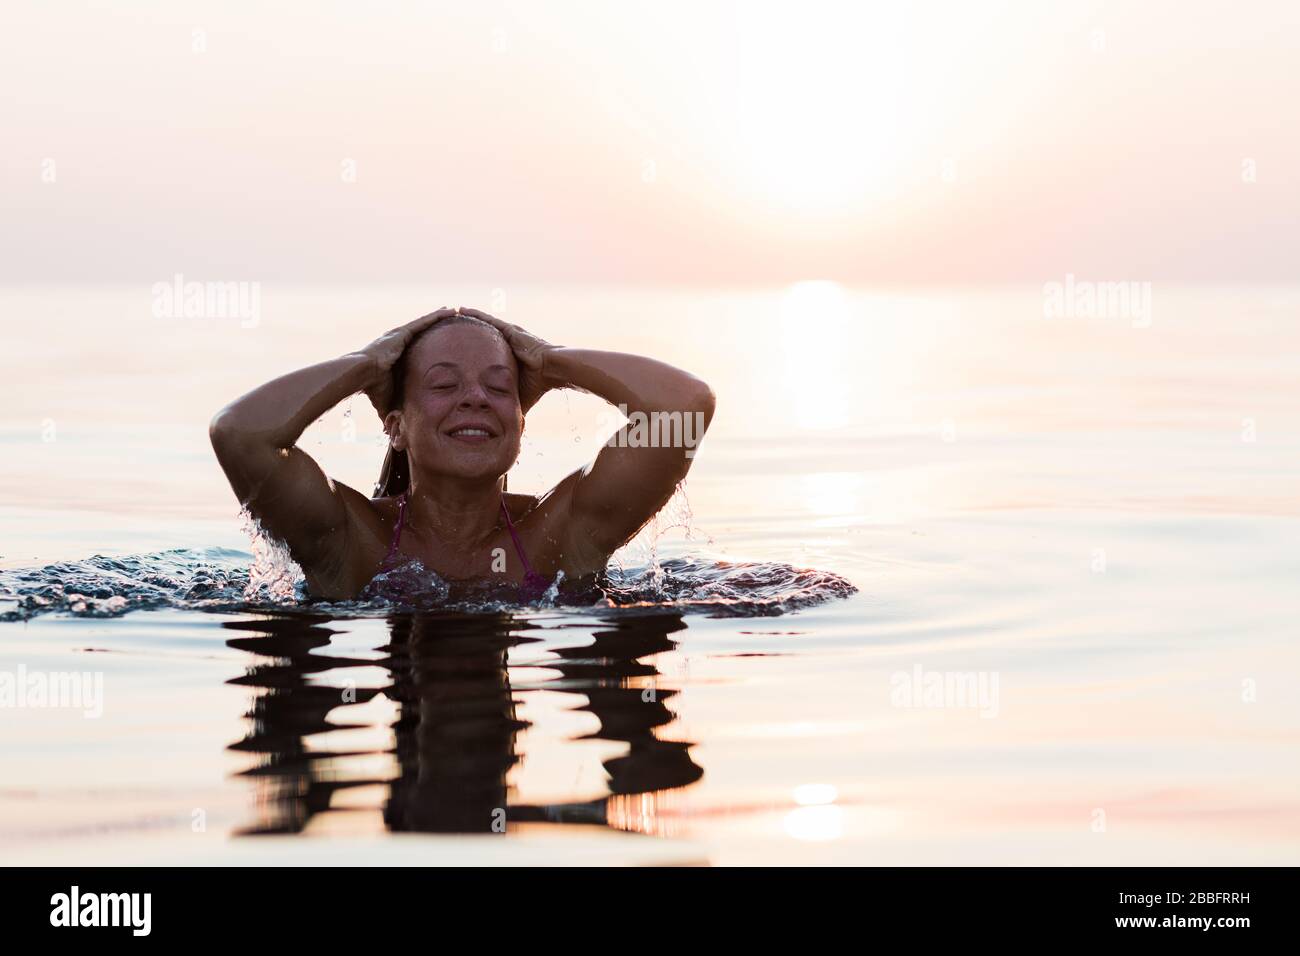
<point x="470" y="431"/>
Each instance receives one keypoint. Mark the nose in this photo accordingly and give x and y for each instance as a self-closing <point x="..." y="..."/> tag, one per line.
<point x="474" y="396"/>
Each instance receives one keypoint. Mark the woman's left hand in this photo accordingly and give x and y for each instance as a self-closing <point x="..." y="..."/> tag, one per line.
<point x="530" y="352"/>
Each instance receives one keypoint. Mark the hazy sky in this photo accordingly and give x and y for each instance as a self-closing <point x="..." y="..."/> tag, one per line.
<point x="656" y="142"/>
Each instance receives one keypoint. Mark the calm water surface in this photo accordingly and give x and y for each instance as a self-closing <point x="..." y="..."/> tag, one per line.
<point x="1096" y="522"/>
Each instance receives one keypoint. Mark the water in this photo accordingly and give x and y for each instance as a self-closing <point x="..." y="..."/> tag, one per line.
<point x="219" y="580"/>
<point x="1093" y="520"/>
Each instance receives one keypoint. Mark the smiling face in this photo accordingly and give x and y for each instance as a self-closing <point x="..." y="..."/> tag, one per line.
<point x="459" y="413"/>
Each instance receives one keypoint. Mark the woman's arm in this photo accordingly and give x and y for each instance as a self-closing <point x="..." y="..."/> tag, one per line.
<point x="254" y="438"/>
<point x="638" y="470"/>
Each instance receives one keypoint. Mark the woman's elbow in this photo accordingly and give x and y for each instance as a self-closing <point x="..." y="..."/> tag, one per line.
<point x="703" y="401"/>
<point x="220" y="429"/>
<point x="227" y="433"/>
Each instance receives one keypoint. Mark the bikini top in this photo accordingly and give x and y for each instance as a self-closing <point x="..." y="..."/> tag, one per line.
<point x="534" y="585"/>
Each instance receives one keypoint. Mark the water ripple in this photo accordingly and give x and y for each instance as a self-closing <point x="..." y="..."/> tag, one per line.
<point x="219" y="579"/>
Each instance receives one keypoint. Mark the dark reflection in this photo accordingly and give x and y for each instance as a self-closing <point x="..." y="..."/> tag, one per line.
<point x="456" y="737"/>
<point x="292" y="784"/>
<point x="456" y="730"/>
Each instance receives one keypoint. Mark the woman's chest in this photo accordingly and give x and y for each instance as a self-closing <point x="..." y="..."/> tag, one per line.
<point x="496" y="560"/>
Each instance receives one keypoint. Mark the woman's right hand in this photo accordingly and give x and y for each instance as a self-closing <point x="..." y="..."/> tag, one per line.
<point x="387" y="349"/>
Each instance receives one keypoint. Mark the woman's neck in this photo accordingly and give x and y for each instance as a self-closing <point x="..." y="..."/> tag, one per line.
<point x="453" y="510"/>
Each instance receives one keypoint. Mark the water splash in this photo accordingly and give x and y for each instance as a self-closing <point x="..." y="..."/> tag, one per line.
<point x="104" y="586"/>
<point x="269" y="579"/>
<point x="643" y="549"/>
<point x="408" y="585"/>
<point x="274" y="575"/>
<point x="552" y="594"/>
<point x="222" y="580"/>
<point x="724" y="588"/>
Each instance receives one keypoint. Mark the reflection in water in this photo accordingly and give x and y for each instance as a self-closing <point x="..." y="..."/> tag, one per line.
<point x="456" y="737"/>
<point x="456" y="727"/>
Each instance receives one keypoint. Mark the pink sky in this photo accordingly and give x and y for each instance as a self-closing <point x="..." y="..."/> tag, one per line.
<point x="672" y="142"/>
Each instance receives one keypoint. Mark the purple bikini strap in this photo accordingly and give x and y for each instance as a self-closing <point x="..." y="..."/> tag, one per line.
<point x="510" y="526"/>
<point x="514" y="536"/>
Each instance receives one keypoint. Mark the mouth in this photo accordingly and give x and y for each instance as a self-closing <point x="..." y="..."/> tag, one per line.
<point x="474" y="433"/>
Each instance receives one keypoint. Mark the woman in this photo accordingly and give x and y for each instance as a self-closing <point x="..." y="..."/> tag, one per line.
<point x="453" y="388"/>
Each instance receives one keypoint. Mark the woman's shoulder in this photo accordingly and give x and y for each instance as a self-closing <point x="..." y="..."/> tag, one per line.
<point x="354" y="547"/>
<point x="371" y="516"/>
<point x="550" y="530"/>
<point x="521" y="505"/>
<point x="378" y="516"/>
<point x="384" y="506"/>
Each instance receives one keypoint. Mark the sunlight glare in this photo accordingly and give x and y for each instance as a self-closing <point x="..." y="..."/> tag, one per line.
<point x="822" y="96"/>
<point x="816" y="823"/>
<point x="814" y="794"/>
<point x="814" y="357"/>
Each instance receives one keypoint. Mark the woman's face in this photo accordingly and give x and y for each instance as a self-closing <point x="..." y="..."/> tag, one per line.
<point x="460" y="412"/>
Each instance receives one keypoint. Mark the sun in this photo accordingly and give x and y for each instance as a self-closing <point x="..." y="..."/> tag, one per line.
<point x="822" y="94"/>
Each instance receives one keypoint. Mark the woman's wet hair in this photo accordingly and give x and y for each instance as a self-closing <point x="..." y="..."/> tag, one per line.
<point x="400" y="368"/>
